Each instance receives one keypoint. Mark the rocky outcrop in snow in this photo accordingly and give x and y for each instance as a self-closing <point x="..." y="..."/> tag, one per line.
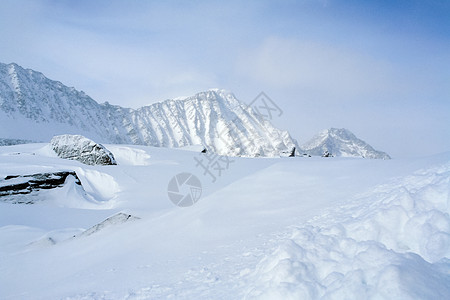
<point x="340" y="142"/>
<point x="12" y="187"/>
<point x="117" y="219"/>
<point x="215" y="118"/>
<point x="77" y="147"/>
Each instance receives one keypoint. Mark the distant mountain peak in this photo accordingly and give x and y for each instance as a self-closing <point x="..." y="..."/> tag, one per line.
<point x="341" y="142"/>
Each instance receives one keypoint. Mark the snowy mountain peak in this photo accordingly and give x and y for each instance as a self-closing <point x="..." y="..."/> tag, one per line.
<point x="341" y="142"/>
<point x="33" y="107"/>
<point x="210" y="92"/>
<point x="12" y="68"/>
<point x="214" y="95"/>
<point x="217" y="120"/>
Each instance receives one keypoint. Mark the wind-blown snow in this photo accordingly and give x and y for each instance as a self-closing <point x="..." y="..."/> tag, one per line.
<point x="34" y="107"/>
<point x="393" y="243"/>
<point x="125" y="155"/>
<point x="285" y="228"/>
<point x="100" y="185"/>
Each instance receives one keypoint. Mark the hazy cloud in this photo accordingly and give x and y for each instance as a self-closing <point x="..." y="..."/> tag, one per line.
<point x="287" y="63"/>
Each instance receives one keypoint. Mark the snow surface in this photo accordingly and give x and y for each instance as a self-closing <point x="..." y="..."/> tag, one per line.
<point x="269" y="228"/>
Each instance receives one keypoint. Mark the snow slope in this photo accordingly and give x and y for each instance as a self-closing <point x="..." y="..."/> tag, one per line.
<point x="341" y="142"/>
<point x="286" y="228"/>
<point x="33" y="107"/>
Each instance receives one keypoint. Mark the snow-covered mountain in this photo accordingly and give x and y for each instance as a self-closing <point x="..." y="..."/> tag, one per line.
<point x="341" y="142"/>
<point x="34" y="107"/>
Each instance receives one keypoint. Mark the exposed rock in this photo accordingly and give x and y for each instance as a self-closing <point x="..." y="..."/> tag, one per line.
<point x="114" y="220"/>
<point x="292" y="152"/>
<point x="43" y="242"/>
<point x="327" y="154"/>
<point x="13" y="185"/>
<point x="77" y="147"/>
<point x="289" y="153"/>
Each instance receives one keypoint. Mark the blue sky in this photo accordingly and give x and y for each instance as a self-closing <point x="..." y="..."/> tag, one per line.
<point x="378" y="68"/>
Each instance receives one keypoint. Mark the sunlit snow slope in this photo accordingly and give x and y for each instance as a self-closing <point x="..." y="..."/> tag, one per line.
<point x="289" y="228"/>
<point x="33" y="107"/>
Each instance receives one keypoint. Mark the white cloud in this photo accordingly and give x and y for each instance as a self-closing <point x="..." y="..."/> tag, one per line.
<point x="287" y="63"/>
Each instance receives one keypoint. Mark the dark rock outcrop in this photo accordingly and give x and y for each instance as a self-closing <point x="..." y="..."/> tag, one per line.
<point x="13" y="185"/>
<point x="84" y="150"/>
<point x="327" y="154"/>
<point x="292" y="152"/>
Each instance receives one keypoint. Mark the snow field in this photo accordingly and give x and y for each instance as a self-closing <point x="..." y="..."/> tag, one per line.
<point x="394" y="243"/>
<point x="300" y="228"/>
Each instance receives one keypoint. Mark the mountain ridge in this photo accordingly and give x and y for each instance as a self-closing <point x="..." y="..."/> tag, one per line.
<point x="35" y="107"/>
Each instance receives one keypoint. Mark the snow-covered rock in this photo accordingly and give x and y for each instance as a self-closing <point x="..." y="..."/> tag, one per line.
<point x="340" y="142"/>
<point x="117" y="219"/>
<point x="77" y="147"/>
<point x="35" y="107"/>
<point x="16" y="188"/>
